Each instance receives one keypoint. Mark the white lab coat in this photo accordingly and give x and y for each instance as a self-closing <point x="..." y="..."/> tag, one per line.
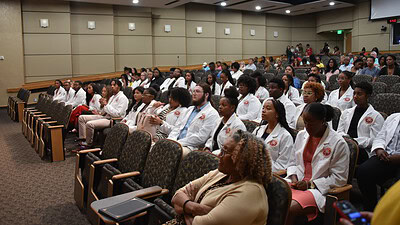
<point x="233" y="124"/>
<point x="172" y="118"/>
<point x="68" y="95"/>
<point x="262" y="93"/>
<point x="94" y="103"/>
<point x="59" y="94"/>
<point x="299" y="111"/>
<point x="290" y="110"/>
<point x="227" y="85"/>
<point x="294" y="96"/>
<point x="368" y="127"/>
<point x="330" y="164"/>
<point x="387" y="132"/>
<point x="200" y="128"/>
<point x="180" y="82"/>
<point x="130" y="119"/>
<point x="117" y="106"/>
<point x="78" y="99"/>
<point x="217" y="89"/>
<point x="134" y="84"/>
<point x="249" y="107"/>
<point x="236" y="75"/>
<point x="191" y="88"/>
<point x="279" y="143"/>
<point x="344" y="102"/>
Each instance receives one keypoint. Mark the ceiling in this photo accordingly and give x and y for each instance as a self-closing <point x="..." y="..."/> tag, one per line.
<point x="296" y="7"/>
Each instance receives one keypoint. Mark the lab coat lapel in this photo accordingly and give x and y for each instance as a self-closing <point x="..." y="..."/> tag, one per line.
<point x="369" y="110"/>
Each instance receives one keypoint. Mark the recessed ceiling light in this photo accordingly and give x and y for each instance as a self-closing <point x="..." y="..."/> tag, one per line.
<point x="135" y="1"/>
<point x="223" y="3"/>
<point x="332" y="3"/>
<point x="287" y="11"/>
<point x="258" y="7"/>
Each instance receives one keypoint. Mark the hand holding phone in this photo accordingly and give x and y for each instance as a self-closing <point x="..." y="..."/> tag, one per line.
<point x="347" y="211"/>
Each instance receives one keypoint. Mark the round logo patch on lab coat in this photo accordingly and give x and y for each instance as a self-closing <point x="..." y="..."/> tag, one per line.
<point x="203" y="116"/>
<point x="369" y="120"/>
<point x="177" y="113"/>
<point x="228" y="130"/>
<point x="273" y="143"/>
<point x="326" y="151"/>
<point x="246" y="102"/>
<point x="347" y="99"/>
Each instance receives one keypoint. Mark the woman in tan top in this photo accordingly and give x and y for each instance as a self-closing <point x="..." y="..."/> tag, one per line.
<point x="232" y="194"/>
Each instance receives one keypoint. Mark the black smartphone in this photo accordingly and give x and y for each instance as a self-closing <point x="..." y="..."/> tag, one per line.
<point x="348" y="211"/>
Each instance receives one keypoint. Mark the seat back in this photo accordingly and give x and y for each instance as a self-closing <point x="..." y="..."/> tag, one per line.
<point x="336" y="117"/>
<point x="353" y="147"/>
<point x="248" y="72"/>
<point x="387" y="102"/>
<point x="162" y="164"/>
<point x="20" y="92"/>
<point x="193" y="166"/>
<point x="395" y="88"/>
<point x="389" y="80"/>
<point x="333" y="84"/>
<point x="25" y="97"/>
<point x="134" y="153"/>
<point x="164" y="97"/>
<point x="279" y="200"/>
<point x="115" y="141"/>
<point x="128" y="92"/>
<point x="378" y="88"/>
<point x="362" y="77"/>
<point x="215" y="101"/>
<point x="250" y="125"/>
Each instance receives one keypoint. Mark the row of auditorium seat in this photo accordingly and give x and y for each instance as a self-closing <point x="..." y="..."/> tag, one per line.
<point x="16" y="104"/>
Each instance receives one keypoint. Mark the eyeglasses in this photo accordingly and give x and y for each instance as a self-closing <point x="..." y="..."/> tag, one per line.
<point x="198" y="91"/>
<point x="308" y="93"/>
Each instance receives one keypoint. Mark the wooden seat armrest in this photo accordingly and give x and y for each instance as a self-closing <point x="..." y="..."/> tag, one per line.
<point x="280" y="172"/>
<point x="32" y="109"/>
<point x="116" y="118"/>
<point x="57" y="126"/>
<point x="125" y="175"/>
<point x="148" y="191"/>
<point x="100" y="162"/>
<point x="89" y="150"/>
<point x="338" y="190"/>
<point x="155" y="195"/>
<point x="44" y="118"/>
<point x="48" y="122"/>
<point x="36" y="112"/>
<point x="39" y="115"/>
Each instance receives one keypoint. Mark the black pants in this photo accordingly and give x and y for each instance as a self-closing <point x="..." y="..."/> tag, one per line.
<point x="371" y="173"/>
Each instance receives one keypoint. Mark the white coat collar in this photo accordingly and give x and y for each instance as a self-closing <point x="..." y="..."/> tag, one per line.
<point x="324" y="142"/>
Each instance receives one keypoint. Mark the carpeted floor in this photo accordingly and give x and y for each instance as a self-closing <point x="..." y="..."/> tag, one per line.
<point x="33" y="191"/>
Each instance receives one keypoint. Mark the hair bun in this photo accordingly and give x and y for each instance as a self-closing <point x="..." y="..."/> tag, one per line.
<point x="231" y="92"/>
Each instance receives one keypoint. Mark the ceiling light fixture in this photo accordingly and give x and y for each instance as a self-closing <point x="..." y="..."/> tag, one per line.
<point x="287" y="11"/>
<point x="258" y="7"/>
<point x="135" y="1"/>
<point x="331" y="3"/>
<point x="223" y="3"/>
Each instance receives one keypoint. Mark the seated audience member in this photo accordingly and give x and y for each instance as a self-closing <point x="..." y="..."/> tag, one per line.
<point x="228" y="123"/>
<point x="251" y="65"/>
<point x="137" y="99"/>
<point x="346" y="66"/>
<point x="391" y="67"/>
<point x="212" y="68"/>
<point x="92" y="104"/>
<point x="218" y="65"/>
<point x="386" y="212"/>
<point x="69" y="92"/>
<point x="79" y="96"/>
<point x="321" y="163"/>
<point x="114" y="107"/>
<point x="157" y="78"/>
<point x="149" y="78"/>
<point x="237" y="187"/>
<point x="59" y="93"/>
<point x="212" y="81"/>
<point x="362" y="122"/>
<point x="296" y="62"/>
<point x="249" y="105"/>
<point x="382" y="62"/>
<point x="131" y="120"/>
<point x="227" y="81"/>
<point x="290" y="91"/>
<point x="331" y="69"/>
<point x="268" y="66"/>
<point x="296" y="81"/>
<point x="278" y="66"/>
<point x="314" y="76"/>
<point x="384" y="162"/>
<point x="357" y="67"/>
<point x="189" y="82"/>
<point x="342" y="97"/>
<point x="135" y="81"/>
<point x="319" y="64"/>
<point x="304" y="62"/>
<point x="168" y="116"/>
<point x="276" y="90"/>
<point x="224" y="66"/>
<point x="236" y="72"/>
<point x="199" y="121"/>
<point x="143" y="79"/>
<point x="124" y="80"/>
<point x="261" y="93"/>
<point x="176" y="80"/>
<point x="277" y="135"/>
<point x="336" y="51"/>
<point x="371" y="69"/>
<point x="309" y="50"/>
<point x="242" y="66"/>
<point x="312" y="92"/>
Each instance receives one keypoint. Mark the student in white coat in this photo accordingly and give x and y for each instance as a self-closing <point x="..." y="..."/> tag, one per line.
<point x="192" y="132"/>
<point x="313" y="78"/>
<point x="277" y="135"/>
<point x="227" y="124"/>
<point x="322" y="162"/>
<point x="342" y="97"/>
<point x="189" y="82"/>
<point x="249" y="105"/>
<point x="69" y="92"/>
<point x="384" y="162"/>
<point x="168" y="116"/>
<point x="236" y="73"/>
<point x="290" y="91"/>
<point x="212" y="81"/>
<point x="59" y="93"/>
<point x="312" y="92"/>
<point x="261" y="93"/>
<point x="148" y="97"/>
<point x="176" y="80"/>
<point x="276" y="88"/>
<point x="227" y="81"/>
<point x="79" y="96"/>
<point x="362" y="122"/>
